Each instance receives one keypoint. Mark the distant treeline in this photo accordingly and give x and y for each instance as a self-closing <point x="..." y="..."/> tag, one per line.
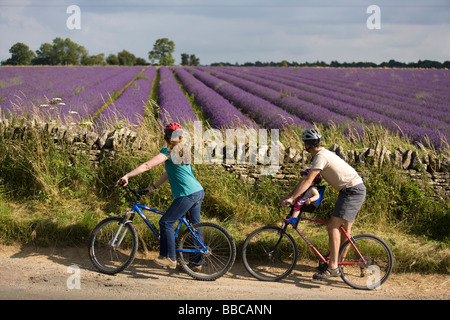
<point x="336" y="64"/>
<point x="66" y="52"/>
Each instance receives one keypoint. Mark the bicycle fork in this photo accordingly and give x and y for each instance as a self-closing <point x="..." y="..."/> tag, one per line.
<point x="281" y="233"/>
<point x="115" y="242"/>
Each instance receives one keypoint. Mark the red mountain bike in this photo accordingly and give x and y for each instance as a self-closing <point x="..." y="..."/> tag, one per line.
<point x="270" y="254"/>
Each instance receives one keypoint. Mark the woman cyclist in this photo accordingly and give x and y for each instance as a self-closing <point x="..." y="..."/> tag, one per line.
<point x="187" y="192"/>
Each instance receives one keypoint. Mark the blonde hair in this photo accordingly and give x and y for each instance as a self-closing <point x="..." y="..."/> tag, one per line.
<point x="173" y="143"/>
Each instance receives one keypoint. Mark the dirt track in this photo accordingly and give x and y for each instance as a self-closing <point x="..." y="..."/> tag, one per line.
<point x="42" y="273"/>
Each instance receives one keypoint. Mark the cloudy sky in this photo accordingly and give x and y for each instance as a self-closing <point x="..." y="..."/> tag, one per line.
<point x="238" y="30"/>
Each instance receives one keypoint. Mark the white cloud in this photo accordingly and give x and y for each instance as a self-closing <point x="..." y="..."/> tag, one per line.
<point x="240" y="33"/>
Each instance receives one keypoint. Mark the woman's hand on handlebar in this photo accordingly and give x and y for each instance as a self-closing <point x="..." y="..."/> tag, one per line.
<point x="122" y="182"/>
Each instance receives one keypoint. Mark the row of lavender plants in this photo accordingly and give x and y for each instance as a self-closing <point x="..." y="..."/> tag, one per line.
<point x="230" y="97"/>
<point x="315" y="94"/>
<point x="130" y="106"/>
<point x="173" y="104"/>
<point x="387" y="92"/>
<point x="339" y="107"/>
<point x="220" y="112"/>
<point x="65" y="92"/>
<point x="262" y="111"/>
<point x="27" y="86"/>
<point x="431" y="86"/>
<point x="302" y="109"/>
<point x="86" y="103"/>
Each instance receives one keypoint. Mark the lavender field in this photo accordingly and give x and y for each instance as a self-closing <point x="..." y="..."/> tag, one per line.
<point x="413" y="102"/>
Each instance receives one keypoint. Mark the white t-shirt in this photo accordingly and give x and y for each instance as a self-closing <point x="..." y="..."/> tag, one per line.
<point x="338" y="173"/>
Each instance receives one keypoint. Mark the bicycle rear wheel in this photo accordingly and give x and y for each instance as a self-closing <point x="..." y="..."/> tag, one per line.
<point x="212" y="264"/>
<point x="113" y="245"/>
<point x="269" y="254"/>
<point x="377" y="268"/>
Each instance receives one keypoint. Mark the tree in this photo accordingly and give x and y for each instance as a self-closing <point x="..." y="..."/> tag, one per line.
<point x="68" y="51"/>
<point x="193" y="60"/>
<point x="140" y="62"/>
<point x="88" y="60"/>
<point x="184" y="59"/>
<point x="45" y="55"/>
<point x="126" y="58"/>
<point x="63" y="52"/>
<point x="112" y="60"/>
<point x="162" y="51"/>
<point x="20" y="55"/>
<point x="189" y="60"/>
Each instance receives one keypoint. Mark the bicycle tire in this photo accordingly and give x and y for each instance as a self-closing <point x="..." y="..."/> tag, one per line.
<point x="259" y="257"/>
<point x="107" y="258"/>
<point x="378" y="266"/>
<point x="217" y="261"/>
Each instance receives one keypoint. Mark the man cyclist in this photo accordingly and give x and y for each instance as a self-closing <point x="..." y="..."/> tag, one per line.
<point x="342" y="177"/>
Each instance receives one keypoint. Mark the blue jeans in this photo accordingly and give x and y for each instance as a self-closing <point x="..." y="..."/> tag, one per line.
<point x="177" y="209"/>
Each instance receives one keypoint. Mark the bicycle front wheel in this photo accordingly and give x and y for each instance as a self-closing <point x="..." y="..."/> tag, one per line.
<point x="113" y="245"/>
<point x="377" y="267"/>
<point x="216" y="261"/>
<point x="269" y="254"/>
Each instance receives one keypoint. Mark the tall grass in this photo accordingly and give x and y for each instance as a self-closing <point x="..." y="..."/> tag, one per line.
<point x="51" y="195"/>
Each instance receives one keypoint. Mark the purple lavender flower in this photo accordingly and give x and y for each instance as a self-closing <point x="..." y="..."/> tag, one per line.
<point x="82" y="90"/>
<point x="302" y="109"/>
<point x="262" y="111"/>
<point x="318" y="92"/>
<point x="174" y="105"/>
<point x="366" y="113"/>
<point x="221" y="113"/>
<point x="411" y="102"/>
<point x="130" y="106"/>
<point x="86" y="103"/>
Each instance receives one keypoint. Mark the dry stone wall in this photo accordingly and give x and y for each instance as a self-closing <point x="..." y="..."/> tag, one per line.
<point x="291" y="160"/>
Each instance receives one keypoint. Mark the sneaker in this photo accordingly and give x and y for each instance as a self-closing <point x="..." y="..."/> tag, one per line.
<point x="196" y="267"/>
<point x="166" y="262"/>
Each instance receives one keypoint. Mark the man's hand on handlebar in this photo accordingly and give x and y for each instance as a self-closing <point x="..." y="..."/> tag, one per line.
<point x="286" y="201"/>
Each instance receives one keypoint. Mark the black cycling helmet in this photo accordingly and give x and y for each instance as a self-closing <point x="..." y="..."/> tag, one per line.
<point x="312" y="137"/>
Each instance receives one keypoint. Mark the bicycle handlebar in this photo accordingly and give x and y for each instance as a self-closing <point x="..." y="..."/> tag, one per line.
<point x="137" y="193"/>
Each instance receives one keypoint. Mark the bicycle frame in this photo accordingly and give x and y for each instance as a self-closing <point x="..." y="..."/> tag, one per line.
<point x="321" y="257"/>
<point x="137" y="207"/>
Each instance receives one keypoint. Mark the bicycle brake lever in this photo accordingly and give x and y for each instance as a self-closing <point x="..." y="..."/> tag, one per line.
<point x="142" y="192"/>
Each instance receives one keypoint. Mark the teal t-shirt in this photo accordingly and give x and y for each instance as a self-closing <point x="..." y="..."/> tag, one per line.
<point x="181" y="177"/>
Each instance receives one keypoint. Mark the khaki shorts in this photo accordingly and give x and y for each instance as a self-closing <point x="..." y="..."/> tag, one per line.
<point x="349" y="202"/>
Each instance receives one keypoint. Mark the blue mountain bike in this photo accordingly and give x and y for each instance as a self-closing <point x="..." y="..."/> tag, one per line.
<point x="205" y="250"/>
